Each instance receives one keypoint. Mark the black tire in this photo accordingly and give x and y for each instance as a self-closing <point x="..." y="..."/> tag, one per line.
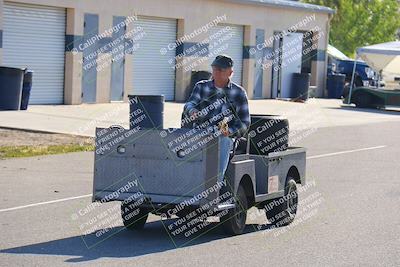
<point x="234" y="221"/>
<point x="133" y="218"/>
<point x="282" y="211"/>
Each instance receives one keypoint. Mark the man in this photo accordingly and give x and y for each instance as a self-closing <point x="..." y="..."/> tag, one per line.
<point x="221" y="104"/>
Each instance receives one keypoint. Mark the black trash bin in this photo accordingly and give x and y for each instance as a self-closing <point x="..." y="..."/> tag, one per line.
<point x="146" y="111"/>
<point x="268" y="133"/>
<point x="26" y="89"/>
<point x="11" y="80"/>
<point x="335" y="85"/>
<point x="300" y="86"/>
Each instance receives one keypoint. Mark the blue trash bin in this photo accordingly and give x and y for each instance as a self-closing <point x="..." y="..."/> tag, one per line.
<point x="26" y="89"/>
<point x="11" y="80"/>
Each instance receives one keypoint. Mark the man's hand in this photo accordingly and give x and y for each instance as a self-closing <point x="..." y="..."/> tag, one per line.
<point x="194" y="113"/>
<point x="225" y="132"/>
<point x="223" y="127"/>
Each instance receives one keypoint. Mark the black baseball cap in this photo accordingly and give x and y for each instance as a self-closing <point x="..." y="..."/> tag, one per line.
<point x="222" y="61"/>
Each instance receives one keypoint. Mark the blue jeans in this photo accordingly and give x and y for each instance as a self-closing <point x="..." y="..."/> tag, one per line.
<point x="226" y="145"/>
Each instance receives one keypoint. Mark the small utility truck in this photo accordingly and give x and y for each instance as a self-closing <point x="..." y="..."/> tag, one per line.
<point x="174" y="172"/>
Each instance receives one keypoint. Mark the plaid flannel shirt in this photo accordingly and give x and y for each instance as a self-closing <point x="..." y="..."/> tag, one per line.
<point x="205" y="94"/>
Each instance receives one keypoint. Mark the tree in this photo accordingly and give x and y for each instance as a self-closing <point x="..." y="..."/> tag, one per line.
<point x="361" y="22"/>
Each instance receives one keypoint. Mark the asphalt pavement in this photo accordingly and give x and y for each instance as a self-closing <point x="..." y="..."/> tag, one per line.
<point x="348" y="214"/>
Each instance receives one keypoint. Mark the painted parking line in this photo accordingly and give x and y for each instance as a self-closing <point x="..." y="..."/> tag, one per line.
<point x="89" y="195"/>
<point x="345" y="152"/>
<point x="45" y="203"/>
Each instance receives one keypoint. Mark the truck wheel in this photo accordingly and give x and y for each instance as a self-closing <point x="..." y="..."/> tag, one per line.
<point x="282" y="211"/>
<point x="133" y="218"/>
<point x="234" y="221"/>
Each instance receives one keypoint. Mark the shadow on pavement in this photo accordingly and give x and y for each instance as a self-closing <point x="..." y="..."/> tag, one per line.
<point x="126" y="243"/>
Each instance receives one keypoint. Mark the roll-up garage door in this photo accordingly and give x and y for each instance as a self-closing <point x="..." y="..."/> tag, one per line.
<point x="34" y="37"/>
<point x="153" y="61"/>
<point x="228" y="39"/>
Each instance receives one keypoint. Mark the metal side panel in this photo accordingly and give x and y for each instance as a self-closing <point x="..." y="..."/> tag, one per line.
<point x="272" y="170"/>
<point x="237" y="169"/>
<point x="261" y="172"/>
<point x="293" y="156"/>
<point x="143" y="161"/>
